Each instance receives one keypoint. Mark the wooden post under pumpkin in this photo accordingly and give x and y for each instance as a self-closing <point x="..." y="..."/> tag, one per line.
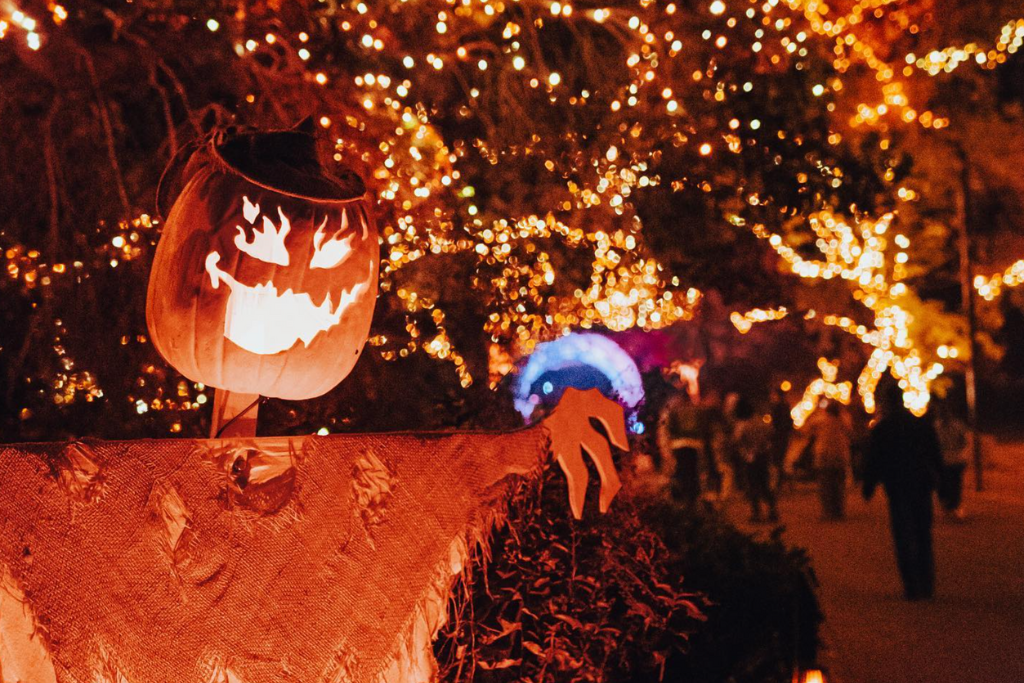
<point x="228" y="404"/>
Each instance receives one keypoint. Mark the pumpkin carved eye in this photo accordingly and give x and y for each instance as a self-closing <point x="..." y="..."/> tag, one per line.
<point x="335" y="250"/>
<point x="267" y="245"/>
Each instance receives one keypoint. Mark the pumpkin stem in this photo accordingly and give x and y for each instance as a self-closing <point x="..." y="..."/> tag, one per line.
<point x="234" y="414"/>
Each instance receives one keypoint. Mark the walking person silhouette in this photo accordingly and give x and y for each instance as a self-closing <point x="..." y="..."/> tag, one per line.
<point x="904" y="457"/>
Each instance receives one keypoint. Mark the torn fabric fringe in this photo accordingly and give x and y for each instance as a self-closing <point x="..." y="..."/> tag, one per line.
<point x="413" y="660"/>
<point x="316" y="559"/>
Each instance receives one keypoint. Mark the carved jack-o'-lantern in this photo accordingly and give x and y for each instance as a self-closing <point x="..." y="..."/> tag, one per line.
<point x="265" y="278"/>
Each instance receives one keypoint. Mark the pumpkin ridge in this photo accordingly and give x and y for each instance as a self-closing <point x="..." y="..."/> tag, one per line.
<point x="282" y="366"/>
<point x="195" y="337"/>
<point x="302" y="287"/>
<point x="223" y="338"/>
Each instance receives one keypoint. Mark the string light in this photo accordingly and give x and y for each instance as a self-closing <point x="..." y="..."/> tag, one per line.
<point x="824" y="386"/>
<point x="429" y="209"/>
<point x="858" y="252"/>
<point x="745" y="321"/>
<point x="13" y="16"/>
<point x="990" y="287"/>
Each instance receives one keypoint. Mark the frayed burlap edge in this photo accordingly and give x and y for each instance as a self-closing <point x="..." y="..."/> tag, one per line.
<point x="413" y="659"/>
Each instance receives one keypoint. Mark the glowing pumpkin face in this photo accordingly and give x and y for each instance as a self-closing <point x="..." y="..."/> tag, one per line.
<point x="262" y="291"/>
<point x="262" y="320"/>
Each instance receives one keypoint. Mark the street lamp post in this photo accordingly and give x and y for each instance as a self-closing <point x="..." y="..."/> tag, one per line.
<point x="967" y="304"/>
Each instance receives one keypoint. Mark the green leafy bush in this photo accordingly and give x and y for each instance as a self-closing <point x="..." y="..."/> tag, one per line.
<point x="646" y="592"/>
<point x="763" y="615"/>
<point x="567" y="601"/>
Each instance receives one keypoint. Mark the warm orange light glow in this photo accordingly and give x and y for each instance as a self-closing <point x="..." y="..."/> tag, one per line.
<point x="812" y="676"/>
<point x="857" y="251"/>
<point x="335" y="250"/>
<point x="267" y="245"/>
<point x="745" y="321"/>
<point x="263" y="322"/>
<point x="824" y="386"/>
<point x="689" y="375"/>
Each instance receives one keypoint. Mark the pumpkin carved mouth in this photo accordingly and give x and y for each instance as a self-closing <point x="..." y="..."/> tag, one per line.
<point x="261" y="321"/>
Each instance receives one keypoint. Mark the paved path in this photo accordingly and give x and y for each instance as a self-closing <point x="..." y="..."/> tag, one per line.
<point x="972" y="631"/>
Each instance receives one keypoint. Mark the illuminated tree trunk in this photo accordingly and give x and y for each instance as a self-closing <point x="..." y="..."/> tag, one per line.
<point x="967" y="304"/>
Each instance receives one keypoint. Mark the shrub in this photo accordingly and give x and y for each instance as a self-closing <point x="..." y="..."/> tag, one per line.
<point x="646" y="592"/>
<point x="763" y="616"/>
<point x="567" y="601"/>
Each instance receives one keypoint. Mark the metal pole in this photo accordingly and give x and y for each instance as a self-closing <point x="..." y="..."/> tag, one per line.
<point x="967" y="304"/>
<point x="234" y="414"/>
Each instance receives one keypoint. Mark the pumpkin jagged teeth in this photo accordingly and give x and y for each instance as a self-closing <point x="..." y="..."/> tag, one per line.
<point x="325" y="305"/>
<point x="261" y="321"/>
<point x="212" y="259"/>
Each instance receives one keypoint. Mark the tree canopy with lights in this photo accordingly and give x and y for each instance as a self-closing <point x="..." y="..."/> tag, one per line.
<point x="537" y="167"/>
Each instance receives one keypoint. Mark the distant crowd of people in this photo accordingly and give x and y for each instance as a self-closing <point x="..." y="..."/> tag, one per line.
<point x="718" y="447"/>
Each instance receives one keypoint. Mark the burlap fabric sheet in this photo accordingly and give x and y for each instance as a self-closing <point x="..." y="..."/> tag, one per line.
<point x="313" y="560"/>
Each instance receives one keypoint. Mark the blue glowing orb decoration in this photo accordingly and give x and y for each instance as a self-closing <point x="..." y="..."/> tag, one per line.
<point x="578" y="360"/>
